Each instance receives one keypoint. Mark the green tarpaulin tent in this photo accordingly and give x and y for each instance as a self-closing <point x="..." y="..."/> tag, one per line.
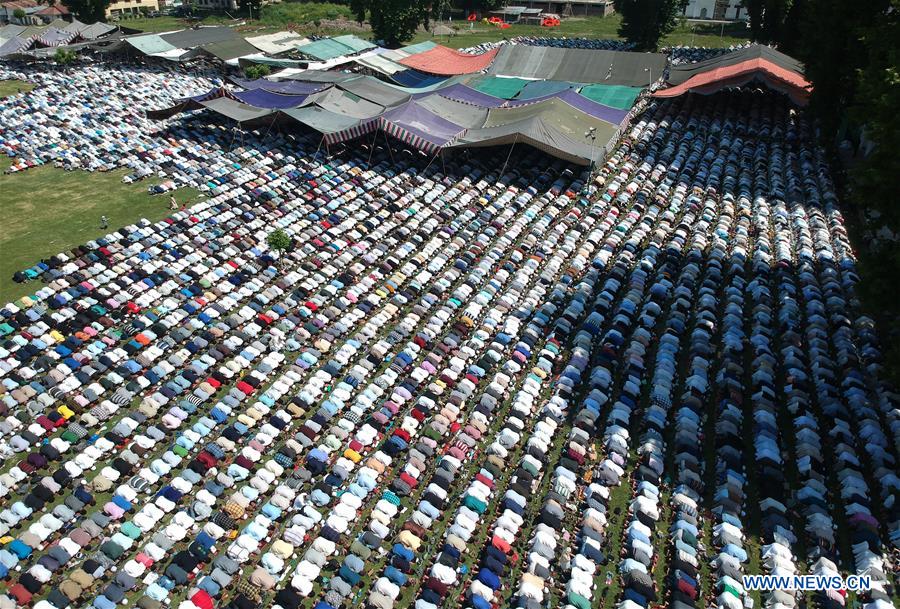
<point x="149" y="44"/>
<point x="616" y="96"/>
<point x="504" y="88"/>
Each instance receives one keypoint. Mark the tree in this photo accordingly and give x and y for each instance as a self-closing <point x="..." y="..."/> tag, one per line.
<point x="89" y="11"/>
<point x="250" y="6"/>
<point x="473" y="6"/>
<point x="256" y="71"/>
<point x="63" y="57"/>
<point x="875" y="180"/>
<point x="279" y="241"/>
<point x="832" y="62"/>
<point x="767" y="18"/>
<point x="19" y="14"/>
<point x="392" y="21"/>
<point x="645" y="22"/>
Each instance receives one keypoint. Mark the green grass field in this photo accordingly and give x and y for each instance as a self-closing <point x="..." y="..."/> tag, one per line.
<point x="12" y="87"/>
<point x="302" y="17"/>
<point x="589" y="27"/>
<point x="47" y="210"/>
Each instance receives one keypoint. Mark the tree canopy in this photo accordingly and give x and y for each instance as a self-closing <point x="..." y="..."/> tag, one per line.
<point x="257" y="71"/>
<point x="279" y="241"/>
<point x="88" y="11"/>
<point x="645" y="22"/>
<point x="392" y="21"/>
<point x="252" y="7"/>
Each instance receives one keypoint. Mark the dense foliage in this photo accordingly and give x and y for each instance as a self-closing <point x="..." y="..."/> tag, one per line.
<point x="392" y="21"/>
<point x="645" y="22"/>
<point x="250" y="7"/>
<point x="257" y="71"/>
<point x="851" y="52"/>
<point x="88" y="11"/>
<point x="279" y="241"/>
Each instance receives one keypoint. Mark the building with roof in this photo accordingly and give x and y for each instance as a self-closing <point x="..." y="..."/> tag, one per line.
<point x="226" y="5"/>
<point x="578" y="8"/>
<point x="8" y="9"/>
<point x="131" y="7"/>
<point x="729" y="10"/>
<point x="57" y="11"/>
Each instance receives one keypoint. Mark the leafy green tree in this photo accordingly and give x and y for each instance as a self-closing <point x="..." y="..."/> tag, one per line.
<point x="19" y="14"/>
<point x="257" y="71"/>
<point x="392" y="21"/>
<point x="832" y="47"/>
<point x="64" y="57"/>
<point x="875" y="180"/>
<point x="766" y="18"/>
<point x="471" y="6"/>
<point x="645" y="22"/>
<point x="88" y="11"/>
<point x="250" y="6"/>
<point x="279" y="241"/>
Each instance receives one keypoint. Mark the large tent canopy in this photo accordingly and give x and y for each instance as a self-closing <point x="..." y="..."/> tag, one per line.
<point x="448" y="62"/>
<point x="277" y="43"/>
<point x="577" y="65"/>
<point x="450" y="117"/>
<point x="756" y="63"/>
<point x="332" y="48"/>
<point x="551" y="125"/>
<point x="29" y="42"/>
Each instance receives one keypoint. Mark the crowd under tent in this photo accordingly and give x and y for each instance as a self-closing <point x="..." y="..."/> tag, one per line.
<point x="451" y="118"/>
<point x="753" y="64"/>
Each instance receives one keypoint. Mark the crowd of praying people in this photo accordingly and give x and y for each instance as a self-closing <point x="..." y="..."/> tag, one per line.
<point x="464" y="384"/>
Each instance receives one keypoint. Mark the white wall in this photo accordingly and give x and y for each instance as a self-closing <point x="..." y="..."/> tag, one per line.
<point x="706" y="9"/>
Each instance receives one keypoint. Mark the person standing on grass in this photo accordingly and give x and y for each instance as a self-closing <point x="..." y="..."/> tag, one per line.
<point x="104" y="222"/>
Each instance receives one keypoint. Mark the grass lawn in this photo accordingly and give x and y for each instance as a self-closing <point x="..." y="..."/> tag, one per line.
<point x="47" y="210"/>
<point x="302" y="17"/>
<point x="11" y="87"/>
<point x="590" y="27"/>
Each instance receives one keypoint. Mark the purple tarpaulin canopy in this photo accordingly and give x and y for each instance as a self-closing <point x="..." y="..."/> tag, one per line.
<point x="419" y="124"/>
<point x="606" y="113"/>
<point x="469" y="95"/>
<point x="260" y="98"/>
<point x="14" y="45"/>
<point x="53" y="37"/>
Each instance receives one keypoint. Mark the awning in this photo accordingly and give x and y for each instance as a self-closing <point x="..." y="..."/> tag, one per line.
<point x="449" y="62"/>
<point x="756" y="63"/>
<point x="280" y="42"/>
<point x="150" y="44"/>
<point x="578" y="65"/>
<point x="230" y="49"/>
<point x="616" y="96"/>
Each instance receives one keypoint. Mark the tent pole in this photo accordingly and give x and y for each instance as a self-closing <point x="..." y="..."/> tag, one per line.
<point x="372" y="148"/>
<point x="390" y="150"/>
<point x="319" y="147"/>
<point x="432" y="160"/>
<point x="506" y="162"/>
<point x="270" y="126"/>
